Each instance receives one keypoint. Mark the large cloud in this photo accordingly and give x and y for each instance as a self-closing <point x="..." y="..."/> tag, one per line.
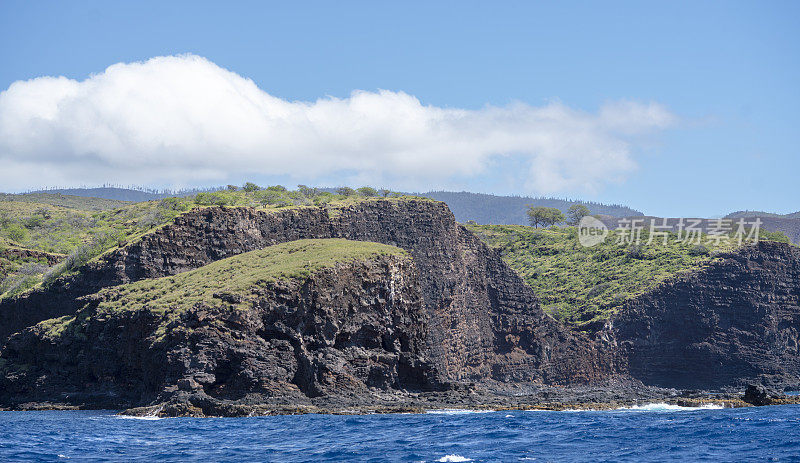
<point x="182" y="120"/>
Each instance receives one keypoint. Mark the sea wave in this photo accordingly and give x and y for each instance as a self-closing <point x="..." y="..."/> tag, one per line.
<point x="456" y="411"/>
<point x="453" y="458"/>
<point x="665" y="407"/>
<point x="145" y="418"/>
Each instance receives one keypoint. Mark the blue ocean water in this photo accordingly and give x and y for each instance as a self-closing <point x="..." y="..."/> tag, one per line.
<point x="650" y="433"/>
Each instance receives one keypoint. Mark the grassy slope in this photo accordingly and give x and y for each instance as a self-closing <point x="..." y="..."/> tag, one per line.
<point x="239" y="276"/>
<point x="580" y="285"/>
<point x="68" y="201"/>
<point x="84" y="231"/>
<point x="80" y="233"/>
<point x="57" y="229"/>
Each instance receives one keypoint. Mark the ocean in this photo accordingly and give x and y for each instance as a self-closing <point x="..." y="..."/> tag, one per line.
<point x="639" y="434"/>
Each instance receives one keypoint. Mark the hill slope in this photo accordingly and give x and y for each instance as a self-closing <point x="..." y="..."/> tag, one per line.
<point x="584" y="285"/>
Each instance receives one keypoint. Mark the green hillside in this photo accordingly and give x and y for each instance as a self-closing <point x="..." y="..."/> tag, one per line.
<point x="237" y="278"/>
<point x="68" y="201"/>
<point x="81" y="229"/>
<point x="579" y="285"/>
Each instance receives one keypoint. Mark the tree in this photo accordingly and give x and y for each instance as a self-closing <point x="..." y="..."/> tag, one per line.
<point x="575" y="213"/>
<point x="384" y="192"/>
<point x="250" y="187"/>
<point x="367" y="191"/>
<point x="545" y="216"/>
<point x="232" y="187"/>
<point x="345" y="191"/>
<point x="307" y="191"/>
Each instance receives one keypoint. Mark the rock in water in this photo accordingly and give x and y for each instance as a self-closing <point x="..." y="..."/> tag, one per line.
<point x="758" y="395"/>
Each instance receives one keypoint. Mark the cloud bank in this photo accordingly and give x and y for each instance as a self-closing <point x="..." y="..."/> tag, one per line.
<point x="182" y="120"/>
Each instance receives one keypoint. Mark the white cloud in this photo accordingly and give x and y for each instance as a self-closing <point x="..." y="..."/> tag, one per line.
<point x="182" y="120"/>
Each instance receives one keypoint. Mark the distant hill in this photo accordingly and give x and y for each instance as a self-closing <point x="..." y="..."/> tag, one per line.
<point x="745" y="214"/>
<point x="511" y="210"/>
<point x="482" y="208"/>
<point x="124" y="194"/>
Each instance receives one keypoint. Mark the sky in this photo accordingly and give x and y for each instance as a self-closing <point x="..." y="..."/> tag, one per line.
<point x="672" y="108"/>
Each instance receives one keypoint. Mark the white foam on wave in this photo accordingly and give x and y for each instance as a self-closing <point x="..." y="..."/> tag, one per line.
<point x="453" y="458"/>
<point x="143" y="418"/>
<point x="456" y="411"/>
<point x="665" y="407"/>
<point x="651" y="407"/>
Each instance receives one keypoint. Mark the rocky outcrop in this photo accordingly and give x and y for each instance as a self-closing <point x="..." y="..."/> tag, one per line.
<point x="484" y="322"/>
<point x="354" y="328"/>
<point x="734" y="321"/>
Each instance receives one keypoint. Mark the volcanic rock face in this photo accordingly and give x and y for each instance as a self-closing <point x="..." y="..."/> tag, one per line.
<point x="467" y="317"/>
<point x="737" y="320"/>
<point x="355" y="327"/>
<point x="484" y="322"/>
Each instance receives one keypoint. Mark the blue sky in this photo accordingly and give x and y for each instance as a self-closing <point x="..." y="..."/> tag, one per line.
<point x="726" y="72"/>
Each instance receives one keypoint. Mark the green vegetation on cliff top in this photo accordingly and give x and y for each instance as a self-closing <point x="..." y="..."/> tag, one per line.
<point x="580" y="285"/>
<point x="230" y="282"/>
<point x="85" y="228"/>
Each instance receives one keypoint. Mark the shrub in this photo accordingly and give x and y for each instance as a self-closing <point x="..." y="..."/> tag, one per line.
<point x="250" y="187"/>
<point x="637" y="251"/>
<point x="267" y="197"/>
<point x="173" y="204"/>
<point x="34" y="221"/>
<point x="44" y="212"/>
<point x="307" y="191"/>
<point x="278" y="188"/>
<point x="81" y="256"/>
<point x="367" y="191"/>
<point x="778" y="236"/>
<point x="212" y="199"/>
<point x="14" y="232"/>
<point x="699" y="250"/>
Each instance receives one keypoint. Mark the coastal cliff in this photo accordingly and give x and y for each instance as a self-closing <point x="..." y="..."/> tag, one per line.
<point x="484" y="322"/>
<point x="736" y="320"/>
<point x="436" y="309"/>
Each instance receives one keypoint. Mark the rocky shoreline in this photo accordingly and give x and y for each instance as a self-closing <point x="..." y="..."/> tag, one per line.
<point x="546" y="398"/>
